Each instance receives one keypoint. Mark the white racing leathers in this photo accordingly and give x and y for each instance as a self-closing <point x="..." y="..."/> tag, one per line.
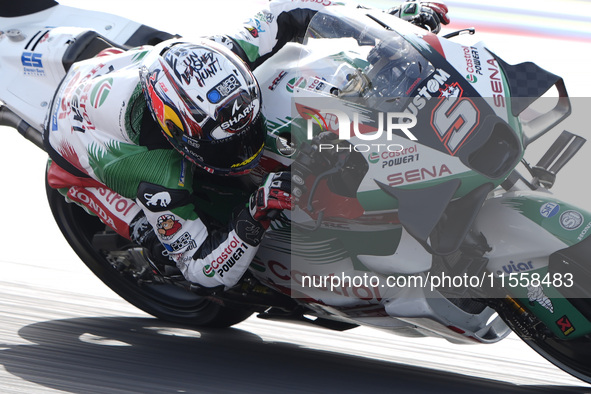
<point x="100" y="130"/>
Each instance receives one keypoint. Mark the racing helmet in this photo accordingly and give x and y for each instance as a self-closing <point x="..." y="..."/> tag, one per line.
<point x="207" y="103"/>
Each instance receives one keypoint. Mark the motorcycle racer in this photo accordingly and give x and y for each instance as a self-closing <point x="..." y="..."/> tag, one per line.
<point x="137" y="128"/>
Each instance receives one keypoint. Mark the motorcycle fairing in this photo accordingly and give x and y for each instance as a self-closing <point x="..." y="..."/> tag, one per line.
<point x="489" y="148"/>
<point x="536" y="207"/>
<point x="539" y="241"/>
<point x="527" y="83"/>
<point x="487" y="154"/>
<point x="28" y="94"/>
<point x="570" y="225"/>
<point x="424" y="211"/>
<point x="574" y="259"/>
<point x="491" y="128"/>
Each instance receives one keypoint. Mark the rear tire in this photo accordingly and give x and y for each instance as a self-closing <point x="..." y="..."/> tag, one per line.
<point x="165" y="301"/>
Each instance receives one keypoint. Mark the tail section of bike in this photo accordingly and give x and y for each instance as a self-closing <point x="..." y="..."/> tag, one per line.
<point x="36" y="50"/>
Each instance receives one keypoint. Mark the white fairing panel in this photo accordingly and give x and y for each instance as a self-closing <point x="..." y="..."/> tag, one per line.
<point x="514" y="238"/>
<point x="31" y="53"/>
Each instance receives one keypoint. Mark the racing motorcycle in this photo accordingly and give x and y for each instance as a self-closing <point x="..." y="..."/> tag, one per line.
<point x="414" y="213"/>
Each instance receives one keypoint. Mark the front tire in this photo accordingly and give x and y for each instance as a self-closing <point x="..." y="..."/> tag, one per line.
<point x="572" y="356"/>
<point x="165" y="301"/>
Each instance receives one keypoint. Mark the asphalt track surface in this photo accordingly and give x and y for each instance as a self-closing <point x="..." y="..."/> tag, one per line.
<point x="62" y="331"/>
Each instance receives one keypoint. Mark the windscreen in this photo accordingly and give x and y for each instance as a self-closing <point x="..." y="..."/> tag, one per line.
<point x="362" y="61"/>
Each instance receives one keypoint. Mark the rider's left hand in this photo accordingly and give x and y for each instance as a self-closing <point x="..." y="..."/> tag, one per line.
<point x="428" y="15"/>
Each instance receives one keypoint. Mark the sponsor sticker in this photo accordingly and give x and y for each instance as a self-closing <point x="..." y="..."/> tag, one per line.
<point x="253" y="31"/>
<point x="32" y="63"/>
<point x="373" y="157"/>
<point x="100" y="92"/>
<point x="471" y="78"/>
<point x="419" y="174"/>
<point x="160" y="199"/>
<point x="516" y="267"/>
<point x="208" y="271"/>
<point x="571" y="220"/>
<point x="30" y="59"/>
<point x="565" y="325"/>
<point x="582" y="234"/>
<point x="549" y="209"/>
<point x="277" y="79"/>
<point x="296" y="83"/>
<point x="184" y="240"/>
<point x="284" y="147"/>
<point x="168" y="226"/>
<point x="223" y="89"/>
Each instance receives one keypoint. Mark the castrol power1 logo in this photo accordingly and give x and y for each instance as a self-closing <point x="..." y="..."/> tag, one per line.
<point x="473" y="65"/>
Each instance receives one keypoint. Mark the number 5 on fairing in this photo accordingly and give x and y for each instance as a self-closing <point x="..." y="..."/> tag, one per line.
<point x="454" y="119"/>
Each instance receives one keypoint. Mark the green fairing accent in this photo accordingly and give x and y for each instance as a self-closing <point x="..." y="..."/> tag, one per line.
<point x="512" y="120"/>
<point x="134" y="113"/>
<point x="418" y="43"/>
<point x="63" y="191"/>
<point x="561" y="307"/>
<point x="251" y="51"/>
<point x="530" y="208"/>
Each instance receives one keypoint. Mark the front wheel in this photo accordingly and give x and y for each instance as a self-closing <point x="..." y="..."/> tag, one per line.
<point x="572" y="356"/>
<point x="556" y="322"/>
<point x="119" y="268"/>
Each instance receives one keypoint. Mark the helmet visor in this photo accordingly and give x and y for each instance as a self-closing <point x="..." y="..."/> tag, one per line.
<point x="233" y="155"/>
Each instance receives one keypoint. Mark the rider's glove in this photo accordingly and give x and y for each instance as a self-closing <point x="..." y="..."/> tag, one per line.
<point x="272" y="196"/>
<point x="429" y="16"/>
